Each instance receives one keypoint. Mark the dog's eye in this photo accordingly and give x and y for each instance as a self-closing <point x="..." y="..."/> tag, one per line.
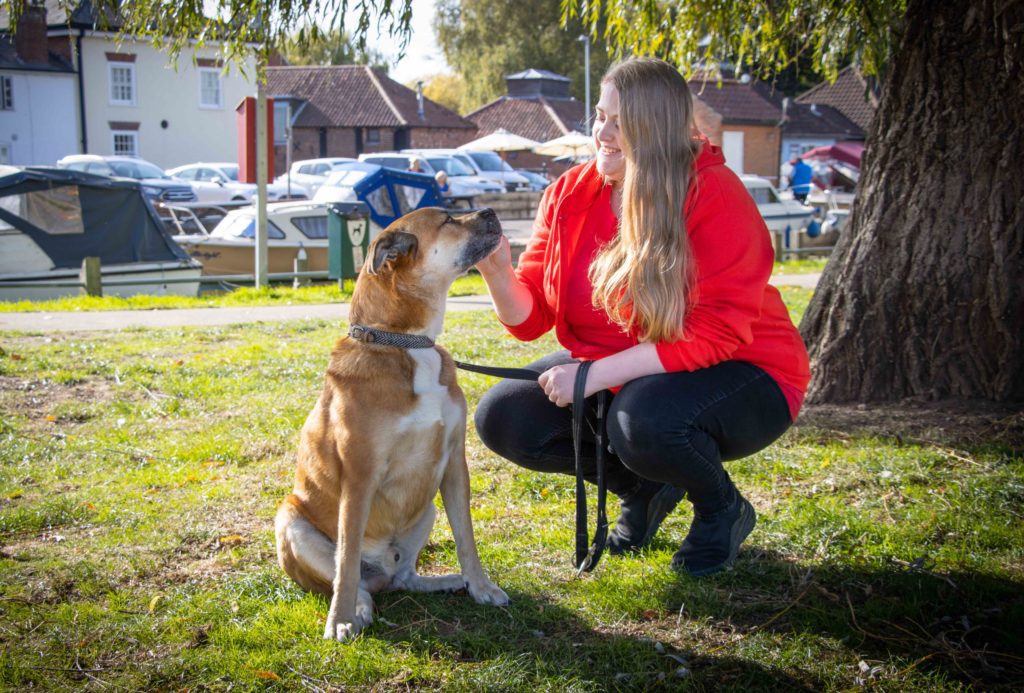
<point x="449" y="220"/>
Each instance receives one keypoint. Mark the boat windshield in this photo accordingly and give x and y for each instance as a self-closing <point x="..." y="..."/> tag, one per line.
<point x="243" y="226"/>
<point x="763" y="195"/>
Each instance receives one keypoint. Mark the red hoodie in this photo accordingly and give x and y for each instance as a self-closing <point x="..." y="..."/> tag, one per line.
<point x="734" y="314"/>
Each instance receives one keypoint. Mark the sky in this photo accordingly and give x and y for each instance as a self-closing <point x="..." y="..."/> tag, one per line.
<point x="423" y="57"/>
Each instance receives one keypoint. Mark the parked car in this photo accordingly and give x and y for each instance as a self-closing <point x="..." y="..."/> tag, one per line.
<point x="217" y="183"/>
<point x="156" y="185"/>
<point x="496" y="171"/>
<point x="537" y="181"/>
<point x="462" y="181"/>
<point x="311" y="173"/>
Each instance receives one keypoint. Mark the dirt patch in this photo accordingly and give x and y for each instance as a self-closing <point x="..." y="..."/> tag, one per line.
<point x="35" y="400"/>
<point x="962" y="423"/>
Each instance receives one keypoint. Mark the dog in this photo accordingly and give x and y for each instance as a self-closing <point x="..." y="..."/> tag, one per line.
<point x="388" y="431"/>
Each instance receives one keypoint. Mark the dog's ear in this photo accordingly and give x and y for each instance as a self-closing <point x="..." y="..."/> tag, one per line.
<point x="389" y="247"/>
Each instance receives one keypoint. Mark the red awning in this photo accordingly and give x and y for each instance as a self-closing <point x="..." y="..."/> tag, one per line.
<point x="847" y="152"/>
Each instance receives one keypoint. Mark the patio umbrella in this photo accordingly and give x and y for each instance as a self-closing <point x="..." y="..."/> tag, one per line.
<point x="501" y="140"/>
<point x="572" y="144"/>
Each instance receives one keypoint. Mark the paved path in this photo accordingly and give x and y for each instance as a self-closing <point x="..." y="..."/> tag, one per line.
<point x="87" y="321"/>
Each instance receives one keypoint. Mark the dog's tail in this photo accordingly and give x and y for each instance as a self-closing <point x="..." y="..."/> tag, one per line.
<point x="303" y="551"/>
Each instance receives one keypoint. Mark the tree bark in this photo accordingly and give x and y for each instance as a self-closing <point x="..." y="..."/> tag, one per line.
<point x="924" y="294"/>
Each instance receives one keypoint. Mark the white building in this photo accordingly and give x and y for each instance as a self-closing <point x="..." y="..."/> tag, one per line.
<point x="37" y="101"/>
<point x="130" y="100"/>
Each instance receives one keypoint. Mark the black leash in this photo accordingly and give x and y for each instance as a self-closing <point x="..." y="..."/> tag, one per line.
<point x="586" y="557"/>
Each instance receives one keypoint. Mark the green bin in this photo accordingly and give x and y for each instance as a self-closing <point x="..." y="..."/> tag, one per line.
<point x="348" y="237"/>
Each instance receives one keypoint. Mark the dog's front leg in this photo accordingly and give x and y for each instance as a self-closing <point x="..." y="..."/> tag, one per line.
<point x="455" y="496"/>
<point x="346" y="618"/>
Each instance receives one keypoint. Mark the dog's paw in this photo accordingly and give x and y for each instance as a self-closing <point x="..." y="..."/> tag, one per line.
<point x="486" y="592"/>
<point x="348" y="630"/>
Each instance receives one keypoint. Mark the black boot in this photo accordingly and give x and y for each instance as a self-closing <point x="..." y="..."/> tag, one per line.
<point x="714" y="540"/>
<point x="642" y="512"/>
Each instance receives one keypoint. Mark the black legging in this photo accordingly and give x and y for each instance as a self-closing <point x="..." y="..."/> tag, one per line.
<point x="674" y="428"/>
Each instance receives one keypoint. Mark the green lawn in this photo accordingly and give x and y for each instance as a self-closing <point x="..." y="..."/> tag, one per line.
<point x="469" y="285"/>
<point x="140" y="472"/>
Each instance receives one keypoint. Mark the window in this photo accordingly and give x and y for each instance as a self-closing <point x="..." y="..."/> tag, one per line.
<point x="122" y="83"/>
<point x="5" y="153"/>
<point x="6" y="94"/>
<point x="311" y="227"/>
<point x="373" y="136"/>
<point x="126" y="143"/>
<point x="209" y="88"/>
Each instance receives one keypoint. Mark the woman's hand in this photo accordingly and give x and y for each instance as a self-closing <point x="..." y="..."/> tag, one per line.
<point x="498" y="262"/>
<point x="558" y="383"/>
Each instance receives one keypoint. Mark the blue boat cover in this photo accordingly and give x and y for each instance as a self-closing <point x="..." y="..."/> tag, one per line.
<point x="391" y="192"/>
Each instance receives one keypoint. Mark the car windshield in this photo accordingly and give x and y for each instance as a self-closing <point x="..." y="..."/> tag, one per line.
<point x="453" y="167"/>
<point x="488" y="161"/>
<point x="136" y="169"/>
<point x="230" y="171"/>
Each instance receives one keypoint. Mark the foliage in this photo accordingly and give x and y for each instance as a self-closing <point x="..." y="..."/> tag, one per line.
<point x="140" y="471"/>
<point x="313" y="46"/>
<point x="769" y="35"/>
<point x="242" y="27"/>
<point x="446" y="90"/>
<point x="485" y="40"/>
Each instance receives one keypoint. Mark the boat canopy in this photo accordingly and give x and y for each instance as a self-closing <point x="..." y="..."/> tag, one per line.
<point x="388" y="192"/>
<point x="72" y="215"/>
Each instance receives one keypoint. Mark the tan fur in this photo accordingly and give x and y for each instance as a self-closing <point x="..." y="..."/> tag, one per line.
<point x="387" y="432"/>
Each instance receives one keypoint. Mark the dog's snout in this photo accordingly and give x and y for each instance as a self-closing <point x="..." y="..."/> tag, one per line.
<point x="488" y="214"/>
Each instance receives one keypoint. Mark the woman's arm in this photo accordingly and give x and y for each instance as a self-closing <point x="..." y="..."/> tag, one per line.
<point x="611" y="371"/>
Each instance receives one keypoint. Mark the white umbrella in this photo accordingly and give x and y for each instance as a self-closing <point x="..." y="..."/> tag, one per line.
<point x="572" y="144"/>
<point x="501" y="140"/>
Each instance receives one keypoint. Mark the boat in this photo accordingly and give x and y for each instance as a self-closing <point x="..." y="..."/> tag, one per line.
<point x="301" y="226"/>
<point x="786" y="217"/>
<point x="52" y="219"/>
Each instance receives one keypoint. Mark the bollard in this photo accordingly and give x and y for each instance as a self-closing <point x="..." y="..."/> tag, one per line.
<point x="301" y="265"/>
<point x="91" y="277"/>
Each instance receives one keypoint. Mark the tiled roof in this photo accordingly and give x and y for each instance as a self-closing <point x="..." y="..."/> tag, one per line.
<point x="9" y="59"/>
<point x="804" y="119"/>
<point x="849" y="95"/>
<point x="536" y="118"/>
<point x="356" y="96"/>
<point x="736" y="102"/>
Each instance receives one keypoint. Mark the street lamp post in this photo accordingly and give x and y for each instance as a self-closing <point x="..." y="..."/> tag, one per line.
<point x="586" y="73"/>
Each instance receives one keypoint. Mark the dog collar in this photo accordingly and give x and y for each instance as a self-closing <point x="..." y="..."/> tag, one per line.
<point x="395" y="339"/>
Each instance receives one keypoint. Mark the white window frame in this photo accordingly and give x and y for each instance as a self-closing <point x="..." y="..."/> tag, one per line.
<point x="6" y="93"/>
<point x="132" y="135"/>
<point x="130" y="67"/>
<point x="203" y="71"/>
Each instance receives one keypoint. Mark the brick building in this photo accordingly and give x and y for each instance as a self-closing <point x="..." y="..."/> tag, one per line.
<point x="738" y="117"/>
<point x="347" y="110"/>
<point x="538" y="106"/>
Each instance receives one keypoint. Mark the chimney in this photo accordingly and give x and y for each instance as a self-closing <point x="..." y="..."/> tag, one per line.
<point x="419" y="100"/>
<point x="30" y="38"/>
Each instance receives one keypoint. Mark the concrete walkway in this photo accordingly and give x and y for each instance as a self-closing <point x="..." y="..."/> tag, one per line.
<point x="89" y="321"/>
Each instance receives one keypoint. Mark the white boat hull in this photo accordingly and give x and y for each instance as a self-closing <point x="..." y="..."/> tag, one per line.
<point x="146" y="278"/>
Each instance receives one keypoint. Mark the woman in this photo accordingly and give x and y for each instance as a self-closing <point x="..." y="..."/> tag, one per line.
<point x="653" y="261"/>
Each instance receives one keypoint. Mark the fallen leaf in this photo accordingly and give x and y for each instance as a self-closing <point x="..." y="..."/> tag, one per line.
<point x="154" y="603"/>
<point x="268" y="675"/>
<point x="51" y="417"/>
<point x="231" y="540"/>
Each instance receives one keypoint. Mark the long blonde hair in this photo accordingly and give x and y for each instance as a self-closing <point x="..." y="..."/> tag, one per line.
<point x="643" y="278"/>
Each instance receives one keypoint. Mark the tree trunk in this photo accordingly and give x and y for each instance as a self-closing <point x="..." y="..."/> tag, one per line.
<point x="924" y="295"/>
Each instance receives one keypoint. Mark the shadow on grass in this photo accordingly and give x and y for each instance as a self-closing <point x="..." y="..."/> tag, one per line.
<point x="537" y="644"/>
<point x="961" y="626"/>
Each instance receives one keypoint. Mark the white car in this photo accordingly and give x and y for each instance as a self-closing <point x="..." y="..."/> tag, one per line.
<point x="485" y="164"/>
<point x="217" y="183"/>
<point x="311" y="173"/>
<point x="462" y="181"/>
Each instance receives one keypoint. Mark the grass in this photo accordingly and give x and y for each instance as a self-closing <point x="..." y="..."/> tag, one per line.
<point x="140" y="472"/>
<point x="469" y="285"/>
